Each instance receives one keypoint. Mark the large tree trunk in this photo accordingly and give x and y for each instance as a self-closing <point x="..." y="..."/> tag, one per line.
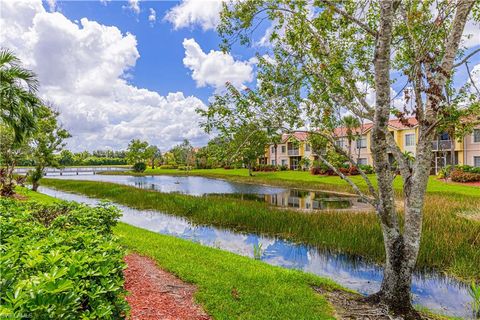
<point x="397" y="277"/>
<point x="395" y="289"/>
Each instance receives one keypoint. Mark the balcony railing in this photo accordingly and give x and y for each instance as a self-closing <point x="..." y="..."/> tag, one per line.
<point x="442" y="145"/>
<point x="293" y="152"/>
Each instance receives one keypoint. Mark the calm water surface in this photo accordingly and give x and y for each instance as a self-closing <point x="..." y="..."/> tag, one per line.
<point x="200" y="186"/>
<point x="430" y="289"/>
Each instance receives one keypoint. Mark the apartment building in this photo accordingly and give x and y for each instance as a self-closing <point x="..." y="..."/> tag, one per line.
<point x="294" y="146"/>
<point x="290" y="151"/>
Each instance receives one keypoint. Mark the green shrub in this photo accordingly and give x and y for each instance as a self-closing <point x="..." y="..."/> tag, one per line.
<point x="265" y="167"/>
<point x="184" y="168"/>
<point x="168" y="166"/>
<point x="464" y="176"/>
<point x="467" y="168"/>
<point x="444" y="172"/>
<point x="60" y="262"/>
<point x="139" y="167"/>
<point x="368" y="169"/>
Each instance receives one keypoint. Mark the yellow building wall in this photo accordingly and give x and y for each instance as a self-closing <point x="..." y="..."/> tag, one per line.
<point x="461" y="160"/>
<point x="459" y="145"/>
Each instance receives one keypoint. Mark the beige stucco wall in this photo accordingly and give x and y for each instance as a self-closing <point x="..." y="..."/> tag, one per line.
<point x="472" y="149"/>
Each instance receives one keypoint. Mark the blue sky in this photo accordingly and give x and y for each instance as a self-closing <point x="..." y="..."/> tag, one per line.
<point x="119" y="70"/>
<point x="160" y="67"/>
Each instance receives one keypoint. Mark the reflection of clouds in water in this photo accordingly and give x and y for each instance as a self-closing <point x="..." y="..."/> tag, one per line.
<point x="433" y="291"/>
<point x="200" y="186"/>
<point x="361" y="278"/>
<point x="189" y="185"/>
<point x="440" y="293"/>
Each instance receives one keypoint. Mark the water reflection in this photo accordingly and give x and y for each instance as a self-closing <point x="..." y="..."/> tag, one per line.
<point x="200" y="186"/>
<point x="430" y="289"/>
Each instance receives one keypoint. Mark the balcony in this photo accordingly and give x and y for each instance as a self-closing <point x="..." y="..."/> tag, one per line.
<point x="293" y="152"/>
<point x="442" y="145"/>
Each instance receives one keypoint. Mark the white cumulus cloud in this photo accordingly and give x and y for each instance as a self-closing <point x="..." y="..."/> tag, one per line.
<point x="471" y="34"/>
<point x="215" y="68"/>
<point x="189" y="13"/>
<point x="152" y="17"/>
<point x="134" y="5"/>
<point x="83" y="68"/>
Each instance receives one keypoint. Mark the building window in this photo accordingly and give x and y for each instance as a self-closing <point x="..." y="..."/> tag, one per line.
<point x="362" y="161"/>
<point x="476" y="135"/>
<point x="284" y="162"/>
<point x="307" y="147"/>
<point x="273" y="162"/>
<point x="476" y="161"/>
<point x="284" y="149"/>
<point x="444" y="136"/>
<point x="339" y="143"/>
<point x="273" y="149"/>
<point x="410" y="140"/>
<point x="362" y="143"/>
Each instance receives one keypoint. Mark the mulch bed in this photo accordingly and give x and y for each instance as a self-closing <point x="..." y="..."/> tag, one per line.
<point x="472" y="184"/>
<point x="157" y="294"/>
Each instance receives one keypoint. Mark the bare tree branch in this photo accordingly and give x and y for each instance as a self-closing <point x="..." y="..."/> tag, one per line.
<point x="465" y="59"/>
<point x="339" y="150"/>
<point x="348" y="180"/>
<point x="470" y="76"/>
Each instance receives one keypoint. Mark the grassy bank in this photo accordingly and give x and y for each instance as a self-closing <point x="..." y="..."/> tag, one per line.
<point x="449" y="243"/>
<point x="301" y="179"/>
<point x="231" y="286"/>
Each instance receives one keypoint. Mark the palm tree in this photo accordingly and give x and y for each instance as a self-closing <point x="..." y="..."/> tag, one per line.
<point x="18" y="95"/>
<point x="351" y="124"/>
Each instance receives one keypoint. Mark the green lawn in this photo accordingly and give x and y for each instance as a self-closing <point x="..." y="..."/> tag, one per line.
<point x="261" y="291"/>
<point x="301" y="179"/>
<point x="449" y="244"/>
<point x="264" y="291"/>
<point x="35" y="196"/>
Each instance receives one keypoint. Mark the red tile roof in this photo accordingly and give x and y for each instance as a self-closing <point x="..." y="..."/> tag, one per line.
<point x="394" y="123"/>
<point x="407" y="123"/>
<point x="342" y="131"/>
<point x="299" y="135"/>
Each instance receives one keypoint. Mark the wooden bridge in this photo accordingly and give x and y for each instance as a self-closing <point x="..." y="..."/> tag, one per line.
<point x="73" y="170"/>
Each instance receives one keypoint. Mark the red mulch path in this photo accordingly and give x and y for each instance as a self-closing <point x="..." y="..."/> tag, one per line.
<point x="157" y="294"/>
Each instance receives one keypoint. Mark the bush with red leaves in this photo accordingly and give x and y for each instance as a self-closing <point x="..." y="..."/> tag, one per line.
<point x="462" y="176"/>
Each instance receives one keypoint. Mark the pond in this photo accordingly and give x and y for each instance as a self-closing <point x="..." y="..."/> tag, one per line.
<point x="430" y="289"/>
<point x="201" y="186"/>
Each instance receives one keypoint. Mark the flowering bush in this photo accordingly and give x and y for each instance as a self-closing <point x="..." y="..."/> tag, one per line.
<point x="462" y="176"/>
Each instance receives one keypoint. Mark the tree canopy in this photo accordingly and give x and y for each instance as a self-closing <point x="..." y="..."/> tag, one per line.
<point x="18" y="95"/>
<point x="329" y="57"/>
